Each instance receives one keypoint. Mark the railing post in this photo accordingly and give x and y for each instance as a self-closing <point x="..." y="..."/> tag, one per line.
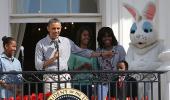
<point x="159" y="86"/>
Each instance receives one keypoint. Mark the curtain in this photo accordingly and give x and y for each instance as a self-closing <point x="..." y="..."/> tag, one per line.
<point x="18" y="30"/>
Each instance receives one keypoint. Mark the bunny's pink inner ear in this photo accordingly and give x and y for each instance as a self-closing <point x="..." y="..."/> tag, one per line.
<point x="150" y="11"/>
<point x="131" y="10"/>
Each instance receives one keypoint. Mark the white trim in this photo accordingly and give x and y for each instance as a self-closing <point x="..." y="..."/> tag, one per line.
<point x="98" y="26"/>
<point x="41" y="18"/>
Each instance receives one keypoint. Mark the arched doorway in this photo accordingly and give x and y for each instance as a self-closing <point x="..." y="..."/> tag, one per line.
<point x="36" y="31"/>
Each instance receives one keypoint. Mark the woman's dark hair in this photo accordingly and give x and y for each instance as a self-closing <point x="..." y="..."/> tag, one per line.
<point x="7" y="40"/>
<point x="79" y="33"/>
<point x="125" y="62"/>
<point x="102" y="32"/>
<point x="53" y="20"/>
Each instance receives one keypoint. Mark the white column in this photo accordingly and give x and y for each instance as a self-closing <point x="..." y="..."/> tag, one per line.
<point x="105" y="10"/>
<point x="110" y="15"/>
<point x="115" y="19"/>
<point x="4" y="21"/>
<point x="164" y="29"/>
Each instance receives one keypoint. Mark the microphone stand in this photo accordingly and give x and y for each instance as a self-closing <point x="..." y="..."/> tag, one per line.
<point x="58" y="63"/>
<point x="22" y="63"/>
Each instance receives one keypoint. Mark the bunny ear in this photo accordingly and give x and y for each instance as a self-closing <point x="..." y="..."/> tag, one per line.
<point x="132" y="11"/>
<point x="150" y="10"/>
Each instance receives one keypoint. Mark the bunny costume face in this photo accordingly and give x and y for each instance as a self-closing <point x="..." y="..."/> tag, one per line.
<point x="142" y="32"/>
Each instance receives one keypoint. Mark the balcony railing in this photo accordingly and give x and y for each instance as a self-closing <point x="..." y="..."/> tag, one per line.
<point x="147" y="84"/>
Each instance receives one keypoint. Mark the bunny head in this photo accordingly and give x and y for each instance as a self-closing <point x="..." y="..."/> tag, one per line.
<point x="142" y="32"/>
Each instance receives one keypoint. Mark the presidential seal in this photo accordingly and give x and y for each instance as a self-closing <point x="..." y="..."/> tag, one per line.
<point x="68" y="94"/>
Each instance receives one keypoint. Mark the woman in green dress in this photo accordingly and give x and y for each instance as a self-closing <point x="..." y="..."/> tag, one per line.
<point x="79" y="63"/>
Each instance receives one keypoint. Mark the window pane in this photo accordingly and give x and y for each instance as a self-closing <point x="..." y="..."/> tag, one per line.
<point x="75" y="6"/>
<point x="54" y="6"/>
<point x="27" y="6"/>
<point x="84" y="6"/>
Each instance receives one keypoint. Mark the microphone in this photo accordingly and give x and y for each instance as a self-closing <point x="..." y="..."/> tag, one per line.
<point x="56" y="44"/>
<point x="22" y="50"/>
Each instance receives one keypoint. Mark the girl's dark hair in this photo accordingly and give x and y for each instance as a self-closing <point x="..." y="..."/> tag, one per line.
<point x="79" y="33"/>
<point x="125" y="62"/>
<point x="7" y="40"/>
<point x="102" y="32"/>
<point x="53" y="20"/>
